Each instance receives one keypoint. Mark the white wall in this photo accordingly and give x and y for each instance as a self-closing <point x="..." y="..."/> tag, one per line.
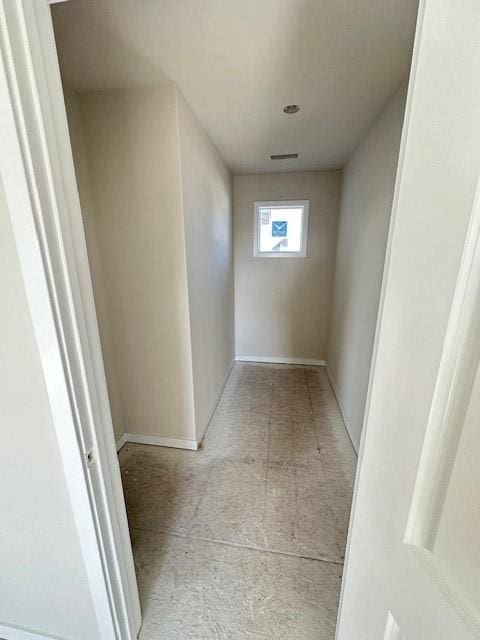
<point x="207" y="210"/>
<point x="131" y="141"/>
<point x="282" y="306"/>
<point x="94" y="257"/>
<point x="43" y="583"/>
<point x="366" y="201"/>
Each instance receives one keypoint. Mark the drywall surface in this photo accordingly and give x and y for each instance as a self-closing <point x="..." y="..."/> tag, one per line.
<point x="43" y="583"/>
<point x="367" y="192"/>
<point x="72" y="104"/>
<point x="282" y="305"/>
<point x="131" y="142"/>
<point x="207" y="210"/>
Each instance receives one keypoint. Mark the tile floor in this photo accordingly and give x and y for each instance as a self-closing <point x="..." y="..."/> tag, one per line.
<point x="246" y="538"/>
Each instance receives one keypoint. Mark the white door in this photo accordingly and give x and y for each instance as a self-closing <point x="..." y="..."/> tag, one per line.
<point x="413" y="563"/>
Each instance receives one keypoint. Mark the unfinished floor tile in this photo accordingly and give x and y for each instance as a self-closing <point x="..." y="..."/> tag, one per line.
<point x="245" y="538"/>
<point x="162" y="487"/>
<point x="241" y="438"/>
<point x="196" y="589"/>
<point x="233" y="504"/>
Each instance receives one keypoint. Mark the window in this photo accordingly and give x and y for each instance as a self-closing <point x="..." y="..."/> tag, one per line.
<point x="281" y="229"/>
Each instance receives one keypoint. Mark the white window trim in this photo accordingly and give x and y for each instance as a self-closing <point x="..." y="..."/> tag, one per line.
<point x="285" y="204"/>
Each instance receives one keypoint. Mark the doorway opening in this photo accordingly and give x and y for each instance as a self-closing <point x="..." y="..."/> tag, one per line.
<point x="237" y="384"/>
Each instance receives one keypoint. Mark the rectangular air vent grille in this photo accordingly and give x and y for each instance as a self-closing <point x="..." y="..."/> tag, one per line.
<point x="284" y="156"/>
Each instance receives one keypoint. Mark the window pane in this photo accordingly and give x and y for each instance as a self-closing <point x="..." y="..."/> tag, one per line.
<point x="280" y="229"/>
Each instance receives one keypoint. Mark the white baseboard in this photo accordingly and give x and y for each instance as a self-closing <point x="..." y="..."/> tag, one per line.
<point x="203" y="431"/>
<point x="281" y="360"/>
<point x="176" y="443"/>
<point x="345" y="419"/>
<point x="17" y="633"/>
<point x="121" y="441"/>
<point x="159" y="441"/>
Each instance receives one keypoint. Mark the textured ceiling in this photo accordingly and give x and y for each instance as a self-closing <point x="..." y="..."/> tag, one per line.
<point x="239" y="62"/>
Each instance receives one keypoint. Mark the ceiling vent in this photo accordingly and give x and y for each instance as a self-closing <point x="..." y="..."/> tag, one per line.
<point x="284" y="156"/>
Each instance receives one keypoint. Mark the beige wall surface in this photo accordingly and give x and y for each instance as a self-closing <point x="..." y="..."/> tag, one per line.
<point x="282" y="305"/>
<point x="207" y="209"/>
<point x="72" y="102"/>
<point x="131" y="141"/>
<point x="367" y="192"/>
<point x="43" y="583"/>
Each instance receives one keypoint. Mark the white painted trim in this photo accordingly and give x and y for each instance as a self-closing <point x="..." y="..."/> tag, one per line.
<point x="281" y="360"/>
<point x="8" y="632"/>
<point x="203" y="431"/>
<point x="345" y="418"/>
<point x="285" y="204"/>
<point x="158" y="441"/>
<point x="392" y="630"/>
<point x="451" y="397"/>
<point x="121" y="441"/>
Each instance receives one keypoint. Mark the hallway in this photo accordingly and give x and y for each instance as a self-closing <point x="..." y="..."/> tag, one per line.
<point x="246" y="537"/>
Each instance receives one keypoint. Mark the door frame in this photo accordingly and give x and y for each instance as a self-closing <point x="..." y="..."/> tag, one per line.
<point x="38" y="174"/>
